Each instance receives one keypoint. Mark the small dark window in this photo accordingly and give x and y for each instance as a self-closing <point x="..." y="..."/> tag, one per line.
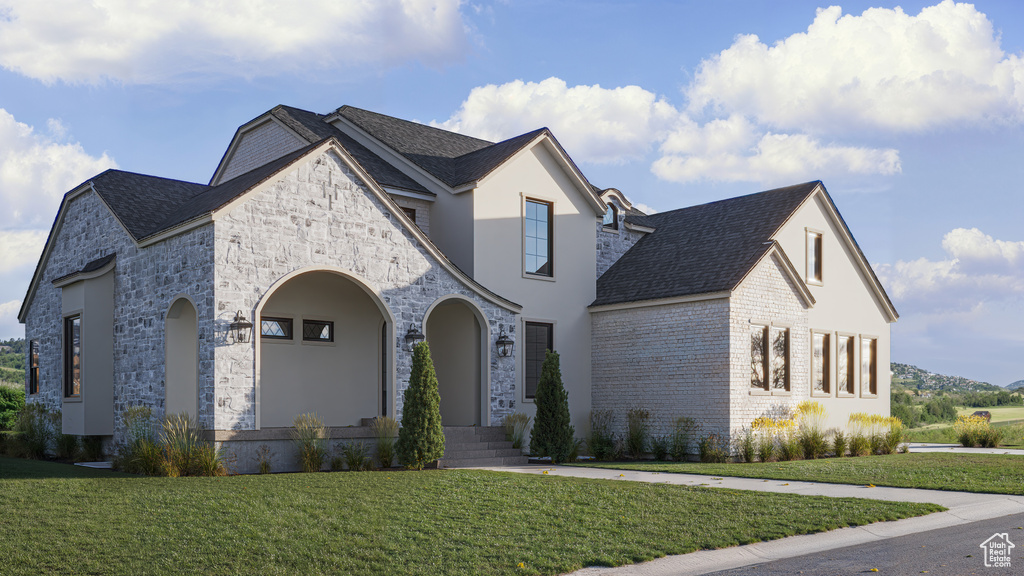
<point x="410" y="212"/>
<point x="317" y="331"/>
<point x="276" y="328"/>
<point x="539" y="339"/>
<point x="33" y="367"/>
<point x="537" y="238"/>
<point x="611" y="217"/>
<point x="72" y="356"/>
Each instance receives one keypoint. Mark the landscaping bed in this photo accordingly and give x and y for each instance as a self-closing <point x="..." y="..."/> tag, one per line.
<point x="65" y="519"/>
<point x="984" y="473"/>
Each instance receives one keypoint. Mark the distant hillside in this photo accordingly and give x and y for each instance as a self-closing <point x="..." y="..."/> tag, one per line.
<point x="1015" y="385"/>
<point x="914" y="377"/>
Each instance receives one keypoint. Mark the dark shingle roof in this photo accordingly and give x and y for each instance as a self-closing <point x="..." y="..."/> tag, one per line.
<point x="142" y="202"/>
<point x="638" y="218"/>
<point x="701" y="249"/>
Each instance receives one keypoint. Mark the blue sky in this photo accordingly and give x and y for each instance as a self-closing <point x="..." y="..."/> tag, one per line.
<point x="911" y="116"/>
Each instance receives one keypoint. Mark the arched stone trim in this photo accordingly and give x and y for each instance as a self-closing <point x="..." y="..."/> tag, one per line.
<point x="485" y="349"/>
<point x="366" y="287"/>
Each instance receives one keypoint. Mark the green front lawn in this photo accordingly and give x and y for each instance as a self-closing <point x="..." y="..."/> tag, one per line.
<point x="961" y="472"/>
<point x="64" y="519"/>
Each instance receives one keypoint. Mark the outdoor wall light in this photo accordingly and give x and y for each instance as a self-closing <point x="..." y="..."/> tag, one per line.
<point x="241" y="328"/>
<point x="505" y="344"/>
<point x="413" y="336"/>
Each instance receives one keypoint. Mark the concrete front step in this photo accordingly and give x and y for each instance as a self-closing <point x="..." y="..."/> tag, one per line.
<point x="467" y="446"/>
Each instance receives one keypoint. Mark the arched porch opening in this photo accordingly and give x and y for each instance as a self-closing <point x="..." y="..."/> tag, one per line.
<point x="323" y="346"/>
<point x="457" y="332"/>
<point x="181" y="359"/>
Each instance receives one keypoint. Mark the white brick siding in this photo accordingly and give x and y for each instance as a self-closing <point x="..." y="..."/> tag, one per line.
<point x="422" y="208"/>
<point x="264" y="143"/>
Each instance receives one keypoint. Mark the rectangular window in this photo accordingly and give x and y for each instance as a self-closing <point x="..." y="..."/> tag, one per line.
<point x="539" y="339"/>
<point x="410" y="212"/>
<point x="820" y="354"/>
<point x="317" y="331"/>
<point x="537" y="236"/>
<point x="72" y="356"/>
<point x="845" y="368"/>
<point x="759" y="357"/>
<point x="780" y="358"/>
<point x="275" y="328"/>
<point x="868" y="366"/>
<point x="33" y="367"/>
<point x="814" y="241"/>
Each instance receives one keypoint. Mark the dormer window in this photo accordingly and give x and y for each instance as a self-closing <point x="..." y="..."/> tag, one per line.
<point x="814" y="257"/>
<point x="611" y="217"/>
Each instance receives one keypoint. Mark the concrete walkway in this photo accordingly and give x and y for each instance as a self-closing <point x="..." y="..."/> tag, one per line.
<point x="964" y="507"/>
<point x="958" y="449"/>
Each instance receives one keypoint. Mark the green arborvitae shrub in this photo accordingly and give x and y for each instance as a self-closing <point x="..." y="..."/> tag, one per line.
<point x="552" y="432"/>
<point x="12" y="400"/>
<point x="421" y="437"/>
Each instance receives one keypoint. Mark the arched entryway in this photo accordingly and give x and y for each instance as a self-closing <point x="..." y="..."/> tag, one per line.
<point x="457" y="331"/>
<point x="323" y="339"/>
<point x="181" y="359"/>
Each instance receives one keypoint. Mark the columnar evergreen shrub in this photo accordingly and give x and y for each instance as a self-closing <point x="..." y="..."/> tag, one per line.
<point x="421" y="437"/>
<point x="552" y="432"/>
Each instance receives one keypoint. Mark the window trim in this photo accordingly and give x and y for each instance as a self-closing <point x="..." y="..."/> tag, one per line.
<point x="66" y="380"/>
<point x="874" y="368"/>
<point x="827" y="361"/>
<point x="844" y="391"/>
<point x="279" y="319"/>
<point x="819" y="257"/>
<point x="614" y="225"/>
<point x="318" y="320"/>
<point x="553" y="326"/>
<point x="33" y="367"/>
<point x="551" y="238"/>
<point x="768" y="390"/>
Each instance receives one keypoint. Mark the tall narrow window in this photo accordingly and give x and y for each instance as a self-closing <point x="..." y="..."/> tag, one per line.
<point x="780" y="358"/>
<point x="611" y="217"/>
<point x="539" y="339"/>
<point x="868" y="366"/>
<point x="759" y="357"/>
<point x="72" y="356"/>
<point x="537" y="238"/>
<point x="814" y="241"/>
<point x="819" y="363"/>
<point x="845" y="367"/>
<point x="33" y="367"/>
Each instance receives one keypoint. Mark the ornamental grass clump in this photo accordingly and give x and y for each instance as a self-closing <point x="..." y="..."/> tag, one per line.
<point x="181" y="439"/>
<point x="140" y="454"/>
<point x="811" y="433"/>
<point x="601" y="441"/>
<point x="976" y="431"/>
<point x="894" y="435"/>
<point x="682" y="434"/>
<point x="839" y="443"/>
<point x="356" y="456"/>
<point x="385" y="433"/>
<point x="263" y="459"/>
<point x="516" y="425"/>
<point x="34" y="432"/>
<point x="746" y="445"/>
<point x="776" y="437"/>
<point x="310" y="436"/>
<point x="712" y="450"/>
<point x="637" y="432"/>
<point x="659" y="448"/>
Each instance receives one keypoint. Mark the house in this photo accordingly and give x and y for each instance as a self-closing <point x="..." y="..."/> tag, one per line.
<point x="341" y="239"/>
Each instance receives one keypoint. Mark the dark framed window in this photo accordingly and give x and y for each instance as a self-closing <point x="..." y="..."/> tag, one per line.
<point x="759" y="357"/>
<point x="868" y="366"/>
<point x="318" y="331"/>
<point x="539" y="339"/>
<point x="611" y="217"/>
<point x="410" y="212"/>
<point x="275" y="328"/>
<point x="820" y="354"/>
<point x="780" y="358"/>
<point x="814" y="256"/>
<point x="73" y="356"/>
<point x="769" y="358"/>
<point x="845" y="366"/>
<point x="537" y="238"/>
<point x="33" y="367"/>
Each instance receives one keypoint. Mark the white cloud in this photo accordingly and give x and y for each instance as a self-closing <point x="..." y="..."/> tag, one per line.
<point x="645" y="208"/>
<point x="9" y="325"/>
<point x="882" y="69"/>
<point x="594" y="124"/>
<point x="36" y="169"/>
<point x="20" y="248"/>
<point x="152" y="41"/>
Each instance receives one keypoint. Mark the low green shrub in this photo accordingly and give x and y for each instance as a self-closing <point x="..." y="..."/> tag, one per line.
<point x="860" y="445"/>
<point x="516" y="425"/>
<point x="682" y="434"/>
<point x="310" y="436"/>
<point x="92" y="448"/>
<point x="36" y="432"/>
<point x="712" y="450"/>
<point x="578" y="446"/>
<point x="601" y="441"/>
<point x="67" y="446"/>
<point x="839" y="442"/>
<point x="209" y="461"/>
<point x="356" y="455"/>
<point x="746" y="445"/>
<point x="813" y="443"/>
<point x="143" y="456"/>
<point x="659" y="448"/>
<point x="789" y="446"/>
<point x="263" y="459"/>
<point x="637" y="432"/>
<point x="12" y="400"/>
<point x="385" y="433"/>
<point x="894" y="437"/>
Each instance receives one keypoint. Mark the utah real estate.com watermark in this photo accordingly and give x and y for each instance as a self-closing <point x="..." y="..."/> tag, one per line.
<point x="997" y="550"/>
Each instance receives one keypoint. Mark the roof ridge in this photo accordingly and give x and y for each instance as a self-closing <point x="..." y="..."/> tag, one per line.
<point x="733" y="199"/>
<point x="412" y="123"/>
<point x="531" y="133"/>
<point x="146" y="176"/>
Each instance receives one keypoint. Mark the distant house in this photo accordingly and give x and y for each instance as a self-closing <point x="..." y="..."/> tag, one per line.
<point x="343" y="238"/>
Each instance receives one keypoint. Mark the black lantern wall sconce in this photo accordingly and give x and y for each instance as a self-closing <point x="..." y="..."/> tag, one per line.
<point x="413" y="336"/>
<point x="504" y="344"/>
<point x="241" y="328"/>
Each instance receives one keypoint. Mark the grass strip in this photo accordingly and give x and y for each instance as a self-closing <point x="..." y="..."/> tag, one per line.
<point x="986" y="473"/>
<point x="70" y="520"/>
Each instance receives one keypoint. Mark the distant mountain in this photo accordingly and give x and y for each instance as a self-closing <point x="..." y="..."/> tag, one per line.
<point x="914" y="377"/>
<point x="1015" y="385"/>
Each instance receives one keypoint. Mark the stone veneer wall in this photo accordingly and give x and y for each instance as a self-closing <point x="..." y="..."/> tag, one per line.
<point x="612" y="244"/>
<point x="146" y="281"/>
<point x="320" y="214"/>
<point x="767" y="295"/>
<point x="266" y="142"/>
<point x="422" y="208"/>
<point x="672" y="360"/>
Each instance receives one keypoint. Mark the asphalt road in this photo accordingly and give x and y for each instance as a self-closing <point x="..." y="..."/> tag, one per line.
<point x="947" y="551"/>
